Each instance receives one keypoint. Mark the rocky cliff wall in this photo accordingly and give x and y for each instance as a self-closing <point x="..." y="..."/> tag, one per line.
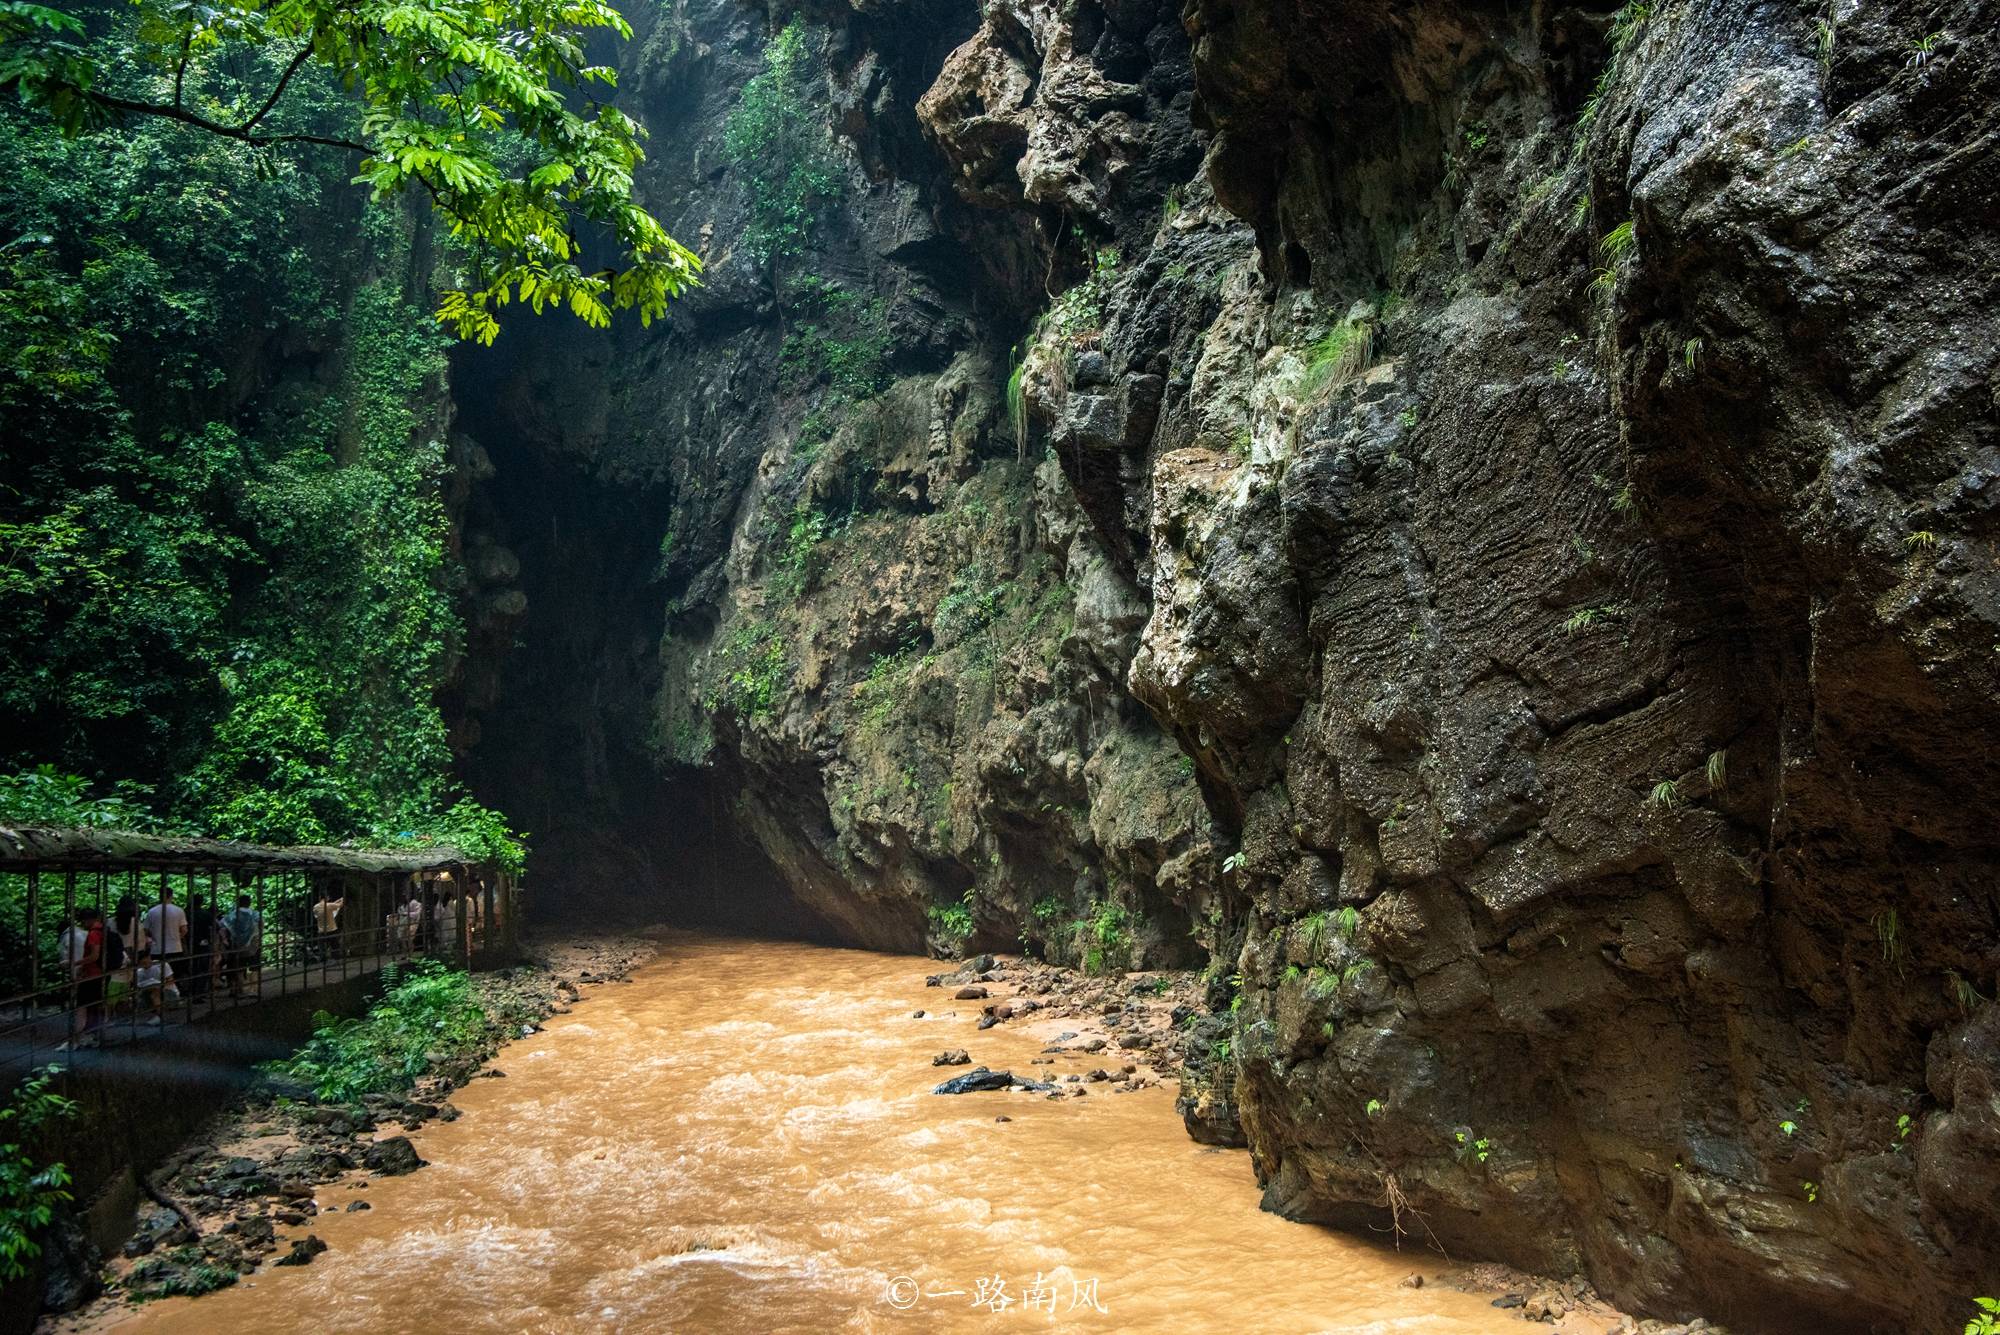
<point x="1475" y="522"/>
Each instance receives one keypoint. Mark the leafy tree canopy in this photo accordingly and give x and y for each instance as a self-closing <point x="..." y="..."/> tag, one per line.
<point x="484" y="106"/>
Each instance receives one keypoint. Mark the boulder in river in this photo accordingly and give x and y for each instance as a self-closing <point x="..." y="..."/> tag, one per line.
<point x="302" y="1251"/>
<point x="393" y="1157"/>
<point x="973" y="993"/>
<point x="979" y="1078"/>
<point x="951" y="1057"/>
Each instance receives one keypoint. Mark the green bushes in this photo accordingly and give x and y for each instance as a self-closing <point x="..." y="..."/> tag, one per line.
<point x="752" y="669"/>
<point x="1107" y="937"/>
<point x="430" y="1015"/>
<point x="29" y="1191"/>
<point x="952" y="924"/>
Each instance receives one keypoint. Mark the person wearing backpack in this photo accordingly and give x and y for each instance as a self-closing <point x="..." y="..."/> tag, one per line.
<point x="244" y="927"/>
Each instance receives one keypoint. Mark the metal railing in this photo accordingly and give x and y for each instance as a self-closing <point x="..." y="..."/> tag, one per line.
<point x="58" y="1014"/>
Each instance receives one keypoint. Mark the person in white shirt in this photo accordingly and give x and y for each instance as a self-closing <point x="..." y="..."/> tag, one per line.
<point x="154" y="984"/>
<point x="413" y="920"/>
<point x="166" y="927"/>
<point x="326" y="922"/>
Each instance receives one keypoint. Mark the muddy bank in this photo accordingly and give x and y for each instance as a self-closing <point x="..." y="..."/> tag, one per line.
<point x="240" y="1194"/>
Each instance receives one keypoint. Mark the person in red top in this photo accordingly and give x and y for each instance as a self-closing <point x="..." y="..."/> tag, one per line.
<point x="83" y="952"/>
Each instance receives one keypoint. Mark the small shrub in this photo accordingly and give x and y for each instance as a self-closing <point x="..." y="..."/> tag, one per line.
<point x="1666" y="793"/>
<point x="429" y="1013"/>
<point x="1107" y="937"/>
<point x="1985" y="1321"/>
<point x="952" y="924"/>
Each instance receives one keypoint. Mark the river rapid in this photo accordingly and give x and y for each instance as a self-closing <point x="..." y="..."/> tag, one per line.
<point x="743" y="1138"/>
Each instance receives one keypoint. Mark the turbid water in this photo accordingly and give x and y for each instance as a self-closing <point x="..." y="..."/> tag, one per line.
<point x="743" y="1138"/>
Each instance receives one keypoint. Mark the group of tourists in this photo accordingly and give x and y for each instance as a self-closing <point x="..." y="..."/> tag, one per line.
<point x="425" y="920"/>
<point x="140" y="962"/>
<point x="143" y="961"/>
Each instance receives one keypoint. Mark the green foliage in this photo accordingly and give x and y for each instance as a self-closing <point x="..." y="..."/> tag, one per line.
<point x="1373" y="1108"/>
<point x="1107" y="937"/>
<point x="1337" y="356"/>
<point x="1666" y="794"/>
<point x="1925" y="50"/>
<point x="181" y="1273"/>
<point x="839" y="339"/>
<point x="1619" y="242"/>
<point x="974" y="601"/>
<point x="780" y="143"/>
<point x="1585" y="617"/>
<point x="1717" y="770"/>
<point x="478" y="105"/>
<point x="1889" y="935"/>
<point x="753" y="669"/>
<point x="1985" y="1321"/>
<point x="1470" y="1149"/>
<point x="42" y="796"/>
<point x="431" y="1014"/>
<point x="952" y="924"/>
<point x="1963" y="994"/>
<point x="29" y="1191"/>
<point x="1078" y="314"/>
<point x="1811" y="1191"/>
<point x="799" y="559"/>
<point x="881" y="691"/>
<point x="230" y="596"/>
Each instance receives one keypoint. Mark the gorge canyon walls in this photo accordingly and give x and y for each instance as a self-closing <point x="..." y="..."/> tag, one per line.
<point x="1474" y="524"/>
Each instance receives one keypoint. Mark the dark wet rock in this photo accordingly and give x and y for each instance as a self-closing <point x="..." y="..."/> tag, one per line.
<point x="1003" y="1118"/>
<point x="987" y="1021"/>
<point x="1510" y="1300"/>
<point x="951" y="1057"/>
<point x="393" y="1157"/>
<point x="303" y="1251"/>
<point x="71" y="1265"/>
<point x="980" y="1079"/>
<point x="916" y="1015"/>
<point x="352" y="1206"/>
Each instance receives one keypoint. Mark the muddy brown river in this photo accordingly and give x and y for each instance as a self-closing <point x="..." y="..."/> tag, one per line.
<point x="743" y="1138"/>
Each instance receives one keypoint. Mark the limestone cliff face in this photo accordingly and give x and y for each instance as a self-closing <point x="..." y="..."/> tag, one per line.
<point x="1479" y="522"/>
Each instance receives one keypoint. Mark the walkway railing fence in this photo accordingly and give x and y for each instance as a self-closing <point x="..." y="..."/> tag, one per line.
<point x="465" y="915"/>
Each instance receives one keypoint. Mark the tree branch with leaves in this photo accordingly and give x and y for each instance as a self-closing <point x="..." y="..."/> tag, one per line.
<point x="485" y="106"/>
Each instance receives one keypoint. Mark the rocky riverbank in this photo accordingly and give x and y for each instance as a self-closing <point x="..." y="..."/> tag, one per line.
<point x="1140" y="1029"/>
<point x="244" y="1192"/>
